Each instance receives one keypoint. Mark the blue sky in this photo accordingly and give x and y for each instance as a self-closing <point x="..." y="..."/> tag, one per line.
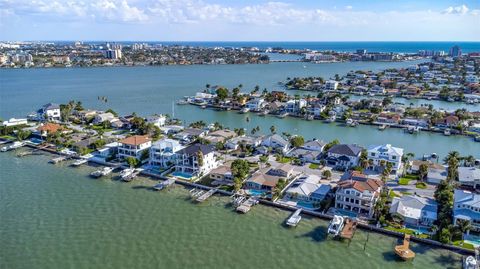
<point x="229" y="20"/>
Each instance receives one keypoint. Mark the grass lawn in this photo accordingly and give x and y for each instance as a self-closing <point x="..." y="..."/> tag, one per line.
<point x="462" y="244"/>
<point x="314" y="166"/>
<point x="284" y="160"/>
<point x="405" y="193"/>
<point x="406" y="179"/>
<point x="392" y="194"/>
<point x="9" y="137"/>
<point x="421" y="185"/>
<point x="206" y="181"/>
<point x="406" y="231"/>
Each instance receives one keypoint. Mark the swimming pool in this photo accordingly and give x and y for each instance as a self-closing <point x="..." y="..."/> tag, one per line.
<point x="306" y="205"/>
<point x="182" y="175"/>
<point x="256" y="192"/>
<point x="472" y="239"/>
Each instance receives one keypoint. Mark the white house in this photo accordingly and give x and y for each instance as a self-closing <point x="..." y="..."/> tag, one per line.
<point x="107" y="151"/>
<point x="384" y="154"/>
<point x="162" y="153"/>
<point x="157" y="120"/>
<point x="134" y="146"/>
<point x="14" y="122"/>
<point x="307" y="189"/>
<point x="469" y="177"/>
<point x="102" y="117"/>
<point x="294" y="106"/>
<point x="466" y="206"/>
<point x="256" y="104"/>
<point x="50" y="112"/>
<point x="187" y="160"/>
<point x="276" y="142"/>
<point x="358" y="196"/>
<point x="414" y="210"/>
<point x="331" y="85"/>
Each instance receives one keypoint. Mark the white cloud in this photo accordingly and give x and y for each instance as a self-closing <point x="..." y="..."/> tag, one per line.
<point x="462" y="10"/>
<point x="349" y="7"/>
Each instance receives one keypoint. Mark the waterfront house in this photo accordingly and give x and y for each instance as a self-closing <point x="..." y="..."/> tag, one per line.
<point x="188" y="160"/>
<point x="276" y="142"/>
<point x="295" y="106"/>
<point x="381" y="155"/>
<point x="414" y="211"/>
<point x="307" y="189"/>
<point x="14" y="122"/>
<point x="220" y="136"/>
<point x="389" y="118"/>
<point x="251" y="141"/>
<point x="343" y="156"/>
<point x="466" y="206"/>
<point x="377" y="90"/>
<point x="469" y="177"/>
<point x="110" y="150"/>
<point x="49" y="112"/>
<point x="331" y="85"/>
<point x="256" y="104"/>
<point x="222" y="175"/>
<point x="134" y="146"/>
<point x="157" y="120"/>
<point x="163" y="152"/>
<point x="85" y="115"/>
<point x="415" y="122"/>
<point x="317" y="110"/>
<point x="448" y="121"/>
<point x="102" y="117"/>
<point x="266" y="179"/>
<point x="171" y="129"/>
<point x="358" y="197"/>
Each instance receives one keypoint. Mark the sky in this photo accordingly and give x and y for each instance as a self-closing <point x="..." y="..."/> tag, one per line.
<point x="236" y="20"/>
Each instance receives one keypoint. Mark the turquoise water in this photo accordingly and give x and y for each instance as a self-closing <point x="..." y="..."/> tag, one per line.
<point x="182" y="175"/>
<point x="55" y="216"/>
<point x="149" y="90"/>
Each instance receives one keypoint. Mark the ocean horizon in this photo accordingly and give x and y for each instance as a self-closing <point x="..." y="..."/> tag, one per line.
<point x="344" y="46"/>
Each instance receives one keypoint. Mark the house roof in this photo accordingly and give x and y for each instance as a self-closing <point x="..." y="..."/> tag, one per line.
<point x="50" y="106"/>
<point x="388" y="149"/>
<point x="371" y="185"/>
<point x="466" y="197"/>
<point x="468" y="174"/>
<point x="346" y="149"/>
<point x="314" y="143"/>
<point x="50" y="127"/>
<point x="415" y="207"/>
<point x="135" y="140"/>
<point x="193" y="149"/>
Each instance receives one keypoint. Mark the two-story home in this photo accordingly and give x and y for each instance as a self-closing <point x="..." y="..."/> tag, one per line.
<point x="102" y="117"/>
<point x="276" y="142"/>
<point x="252" y="141"/>
<point x="196" y="160"/>
<point x="295" y="106"/>
<point x="256" y="104"/>
<point x="310" y="152"/>
<point x="307" y="189"/>
<point x="343" y="156"/>
<point x="380" y="155"/>
<point x="49" y="112"/>
<point x="414" y="211"/>
<point x="265" y="180"/>
<point x="466" y="206"/>
<point x="134" y="146"/>
<point x="157" y="120"/>
<point x="358" y="197"/>
<point x="331" y="85"/>
<point x="163" y="152"/>
<point x="220" y="136"/>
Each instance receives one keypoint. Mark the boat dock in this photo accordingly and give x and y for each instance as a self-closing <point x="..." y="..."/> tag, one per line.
<point x="349" y="229"/>
<point x="295" y="218"/>
<point x="79" y="162"/>
<point x="245" y="206"/>
<point x="163" y="185"/>
<point x="130" y="177"/>
<point x="205" y="195"/>
<point x="58" y="159"/>
<point x="404" y="251"/>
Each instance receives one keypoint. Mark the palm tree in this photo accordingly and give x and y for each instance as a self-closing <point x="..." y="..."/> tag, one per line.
<point x="469" y="160"/>
<point x="451" y="155"/>
<point x="272" y="129"/>
<point x="463" y="226"/>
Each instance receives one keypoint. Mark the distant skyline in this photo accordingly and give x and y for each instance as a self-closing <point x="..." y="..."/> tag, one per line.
<point x="229" y="20"/>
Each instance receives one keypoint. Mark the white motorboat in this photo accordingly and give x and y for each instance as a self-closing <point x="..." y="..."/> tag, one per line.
<point x="245" y="110"/>
<point x="79" y="162"/>
<point x="336" y="225"/>
<point x="470" y="263"/>
<point x="126" y="173"/>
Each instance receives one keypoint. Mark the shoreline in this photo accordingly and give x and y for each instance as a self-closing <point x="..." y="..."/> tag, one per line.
<point x="363" y="226"/>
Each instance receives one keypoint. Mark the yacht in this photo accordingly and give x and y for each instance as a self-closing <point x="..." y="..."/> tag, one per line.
<point x="336" y="225"/>
<point x="447" y="132"/>
<point x="245" y="110"/>
<point x="79" y="162"/>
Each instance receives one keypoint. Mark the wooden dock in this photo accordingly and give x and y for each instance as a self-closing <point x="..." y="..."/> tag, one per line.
<point x="245" y="206"/>
<point x="349" y="229"/>
<point x="58" y="159"/>
<point x="204" y="196"/>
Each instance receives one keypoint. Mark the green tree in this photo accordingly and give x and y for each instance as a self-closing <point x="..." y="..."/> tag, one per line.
<point x="423" y="171"/>
<point x="331" y="144"/>
<point x="131" y="161"/>
<point x="327" y="174"/>
<point x="222" y="93"/>
<point x="272" y="129"/>
<point x="22" y="135"/>
<point x="200" y="158"/>
<point x="297" y="141"/>
<point x="239" y="168"/>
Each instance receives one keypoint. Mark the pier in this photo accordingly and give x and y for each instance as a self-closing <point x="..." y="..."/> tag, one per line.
<point x="245" y="206"/>
<point x="204" y="196"/>
<point x="58" y="159"/>
<point x="349" y="229"/>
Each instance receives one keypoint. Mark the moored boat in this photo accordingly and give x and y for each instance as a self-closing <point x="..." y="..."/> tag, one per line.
<point x="447" y="132"/>
<point x="245" y="110"/>
<point x="125" y="174"/>
<point x="336" y="225"/>
<point x="79" y="162"/>
<point x="102" y="172"/>
<point x="15" y="145"/>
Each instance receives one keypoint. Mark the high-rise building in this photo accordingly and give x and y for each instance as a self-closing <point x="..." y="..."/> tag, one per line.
<point x="113" y="54"/>
<point x="455" y="51"/>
